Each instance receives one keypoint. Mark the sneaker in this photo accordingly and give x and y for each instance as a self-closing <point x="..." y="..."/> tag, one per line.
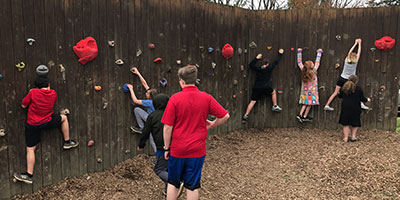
<point x="364" y="107"/>
<point x="276" y="108"/>
<point x="300" y="118"/>
<point x="245" y="117"/>
<point x="353" y="139"/>
<point x="307" y="119"/>
<point x="71" y="144"/>
<point x="180" y="190"/>
<point x="136" y="129"/>
<point x="345" y="139"/>
<point x="328" y="108"/>
<point x="23" y="177"/>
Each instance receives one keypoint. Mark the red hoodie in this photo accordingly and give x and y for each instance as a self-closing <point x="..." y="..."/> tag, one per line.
<point x="40" y="102"/>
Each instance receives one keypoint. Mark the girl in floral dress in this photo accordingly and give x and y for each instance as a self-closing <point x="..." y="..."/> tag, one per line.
<point x="309" y="85"/>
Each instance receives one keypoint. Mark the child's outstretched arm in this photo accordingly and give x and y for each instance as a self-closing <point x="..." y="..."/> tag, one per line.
<point x="254" y="62"/>
<point x="134" y="70"/>
<point x="318" y="59"/>
<point x="354" y="46"/>
<point x="275" y="63"/>
<point x="299" y="59"/>
<point x="359" y="49"/>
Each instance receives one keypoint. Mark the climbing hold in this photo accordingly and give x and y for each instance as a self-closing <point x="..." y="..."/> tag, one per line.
<point x="151" y="46"/>
<point x="213" y="65"/>
<point x="125" y="88"/>
<point x="240" y="51"/>
<point x="163" y="82"/>
<point x="280" y="91"/>
<point x="105" y="105"/>
<point x="161" y="35"/>
<point x="30" y="41"/>
<point x="157" y="60"/>
<point x="201" y="48"/>
<point x="42" y="70"/>
<point x="198" y="81"/>
<point x="197" y="65"/>
<point x="210" y="49"/>
<point x="305" y="48"/>
<point x="99" y="160"/>
<point x="234" y="96"/>
<point x="377" y="60"/>
<point x="245" y="51"/>
<point x="2" y="132"/>
<point x="111" y="43"/>
<point x="292" y="49"/>
<point x="1" y="76"/>
<point x="241" y="92"/>
<point x="227" y="51"/>
<point x="372" y="49"/>
<point x="217" y="50"/>
<point x="338" y="37"/>
<point x="20" y="66"/>
<point x="86" y="50"/>
<point x="90" y="143"/>
<point x="51" y="64"/>
<point x="241" y="68"/>
<point x="269" y="47"/>
<point x="138" y="53"/>
<point x="64" y="111"/>
<point x="14" y="180"/>
<point x="119" y="62"/>
<point x="337" y="65"/>
<point x="235" y="82"/>
<point x="178" y="62"/>
<point x="62" y="68"/>
<point x="87" y="92"/>
<point x="127" y="151"/>
<point x="244" y="76"/>
<point x="322" y="87"/>
<point x="97" y="87"/>
<point x="385" y="43"/>
<point x="229" y="66"/>
<point x="383" y="88"/>
<point x="253" y="45"/>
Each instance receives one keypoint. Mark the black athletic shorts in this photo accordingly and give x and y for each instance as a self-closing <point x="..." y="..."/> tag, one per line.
<point x="32" y="133"/>
<point x="259" y="92"/>
<point x="340" y="82"/>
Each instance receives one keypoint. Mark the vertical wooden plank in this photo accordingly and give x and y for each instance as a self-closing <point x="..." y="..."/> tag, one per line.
<point x="6" y="71"/>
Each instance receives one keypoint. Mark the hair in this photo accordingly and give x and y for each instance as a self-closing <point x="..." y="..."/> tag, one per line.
<point x="42" y="82"/>
<point x="351" y="58"/>
<point x="152" y="92"/>
<point x="188" y="74"/>
<point x="350" y="85"/>
<point x="265" y="61"/>
<point x="307" y="74"/>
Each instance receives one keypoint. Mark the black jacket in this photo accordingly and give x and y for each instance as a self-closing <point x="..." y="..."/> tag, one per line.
<point x="263" y="75"/>
<point x="153" y="123"/>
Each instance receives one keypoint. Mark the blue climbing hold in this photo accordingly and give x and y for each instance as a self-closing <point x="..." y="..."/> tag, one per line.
<point x="163" y="82"/>
<point x="126" y="89"/>
<point x="210" y="49"/>
<point x="1" y="76"/>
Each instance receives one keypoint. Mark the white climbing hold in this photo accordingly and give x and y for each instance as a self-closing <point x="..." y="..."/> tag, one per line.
<point x="64" y="111"/>
<point x="62" y="68"/>
<point x="138" y="53"/>
<point x="213" y="65"/>
<point x="2" y="132"/>
<point x="30" y="41"/>
<point x="119" y="62"/>
<point x="111" y="43"/>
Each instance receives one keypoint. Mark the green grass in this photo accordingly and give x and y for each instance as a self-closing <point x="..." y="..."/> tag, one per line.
<point x="398" y="125"/>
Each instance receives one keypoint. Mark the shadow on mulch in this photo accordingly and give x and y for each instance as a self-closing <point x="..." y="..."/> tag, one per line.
<point x="261" y="164"/>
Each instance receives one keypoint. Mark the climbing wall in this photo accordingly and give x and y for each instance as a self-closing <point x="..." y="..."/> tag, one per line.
<point x="159" y="37"/>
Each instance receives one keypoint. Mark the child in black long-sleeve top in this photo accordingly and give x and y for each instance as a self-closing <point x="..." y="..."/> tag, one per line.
<point x="262" y="85"/>
<point x="350" y="112"/>
<point x="154" y="126"/>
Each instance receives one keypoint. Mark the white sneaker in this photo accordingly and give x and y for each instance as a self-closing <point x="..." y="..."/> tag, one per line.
<point x="328" y="108"/>
<point x="364" y="107"/>
<point x="276" y="108"/>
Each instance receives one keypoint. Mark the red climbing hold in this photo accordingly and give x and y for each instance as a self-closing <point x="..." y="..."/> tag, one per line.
<point x="227" y="51"/>
<point x="157" y="60"/>
<point x="151" y="46"/>
<point x="86" y="50"/>
<point x="385" y="43"/>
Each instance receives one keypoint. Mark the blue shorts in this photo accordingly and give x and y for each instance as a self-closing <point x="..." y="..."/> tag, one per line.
<point x="186" y="170"/>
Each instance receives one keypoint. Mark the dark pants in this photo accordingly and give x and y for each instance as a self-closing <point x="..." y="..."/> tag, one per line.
<point x="161" y="169"/>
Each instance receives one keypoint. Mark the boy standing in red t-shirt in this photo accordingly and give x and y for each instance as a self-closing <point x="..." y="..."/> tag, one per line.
<point x="40" y="101"/>
<point x="185" y="120"/>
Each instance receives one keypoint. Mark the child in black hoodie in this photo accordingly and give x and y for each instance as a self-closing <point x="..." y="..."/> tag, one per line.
<point x="154" y="126"/>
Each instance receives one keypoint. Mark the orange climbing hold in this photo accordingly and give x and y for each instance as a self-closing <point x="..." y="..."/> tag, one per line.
<point x="97" y="87"/>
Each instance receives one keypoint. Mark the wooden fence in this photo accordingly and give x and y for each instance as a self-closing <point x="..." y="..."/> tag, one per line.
<point x="181" y="30"/>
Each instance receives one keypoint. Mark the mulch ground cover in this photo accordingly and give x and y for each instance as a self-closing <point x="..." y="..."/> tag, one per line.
<point x="261" y="164"/>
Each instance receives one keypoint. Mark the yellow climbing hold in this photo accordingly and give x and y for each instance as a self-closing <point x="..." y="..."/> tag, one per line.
<point x="377" y="60"/>
<point x="20" y="66"/>
<point x="269" y="47"/>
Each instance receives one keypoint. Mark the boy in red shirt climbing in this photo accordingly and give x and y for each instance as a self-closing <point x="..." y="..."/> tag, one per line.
<point x="40" y="101"/>
<point x="185" y="123"/>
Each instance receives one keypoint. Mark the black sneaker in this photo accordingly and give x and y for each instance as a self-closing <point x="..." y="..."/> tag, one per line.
<point x="351" y="139"/>
<point x="307" y="119"/>
<point x="23" y="177"/>
<point x="71" y="144"/>
<point x="300" y="118"/>
<point x="136" y="129"/>
<point x="245" y="117"/>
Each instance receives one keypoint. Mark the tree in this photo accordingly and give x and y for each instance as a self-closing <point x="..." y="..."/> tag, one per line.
<point x="252" y="4"/>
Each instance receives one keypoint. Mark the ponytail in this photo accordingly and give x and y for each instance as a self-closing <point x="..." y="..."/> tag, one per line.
<point x="350" y="85"/>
